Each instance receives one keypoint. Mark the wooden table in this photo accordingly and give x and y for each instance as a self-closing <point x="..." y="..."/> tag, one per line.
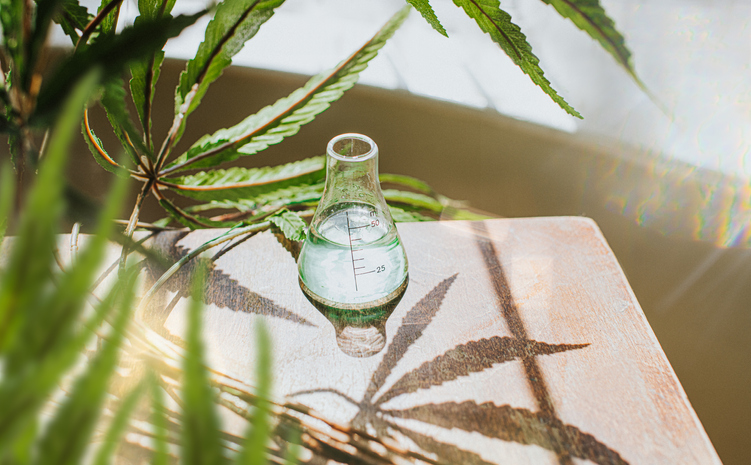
<point x="517" y="341"/>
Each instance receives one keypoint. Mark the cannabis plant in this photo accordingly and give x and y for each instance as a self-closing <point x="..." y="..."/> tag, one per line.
<point x="63" y="350"/>
<point x="78" y="372"/>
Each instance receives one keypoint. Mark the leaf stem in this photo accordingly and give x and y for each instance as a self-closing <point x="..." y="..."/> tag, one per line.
<point x="237" y="185"/>
<point x="281" y="115"/>
<point x="89" y="29"/>
<point x="227" y="236"/>
<point x="132" y="223"/>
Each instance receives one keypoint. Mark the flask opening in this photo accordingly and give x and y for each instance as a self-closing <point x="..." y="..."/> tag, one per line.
<point x="352" y="147"/>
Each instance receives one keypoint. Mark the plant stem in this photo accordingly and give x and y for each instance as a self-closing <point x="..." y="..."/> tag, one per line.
<point x="89" y="29"/>
<point x="132" y="223"/>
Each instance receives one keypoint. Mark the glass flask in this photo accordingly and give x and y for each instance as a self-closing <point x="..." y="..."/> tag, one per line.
<point x="352" y="265"/>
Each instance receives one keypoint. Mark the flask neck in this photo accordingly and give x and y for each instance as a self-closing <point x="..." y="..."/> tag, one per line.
<point x="352" y="174"/>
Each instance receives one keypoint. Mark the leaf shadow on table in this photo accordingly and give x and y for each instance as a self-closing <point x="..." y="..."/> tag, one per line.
<point x="221" y="289"/>
<point x="540" y="428"/>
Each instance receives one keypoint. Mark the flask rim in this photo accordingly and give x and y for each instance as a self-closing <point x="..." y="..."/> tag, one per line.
<point x="354" y="158"/>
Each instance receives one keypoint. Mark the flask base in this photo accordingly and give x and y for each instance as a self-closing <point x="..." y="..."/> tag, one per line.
<point x="360" y="328"/>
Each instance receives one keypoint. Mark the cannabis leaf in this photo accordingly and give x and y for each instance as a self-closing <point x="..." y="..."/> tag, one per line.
<point x="145" y="72"/>
<point x="423" y="6"/>
<point x="234" y="22"/>
<point x="590" y="17"/>
<point x="290" y="224"/>
<point x="497" y="23"/>
<point x="248" y="184"/>
<point x="285" y="117"/>
<point x="71" y="17"/>
<point x="111" y="55"/>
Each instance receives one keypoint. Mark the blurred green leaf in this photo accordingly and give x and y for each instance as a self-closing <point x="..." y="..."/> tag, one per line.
<point x="31" y="255"/>
<point x="145" y="72"/>
<point x="12" y="20"/>
<point x="292" y="455"/>
<point x="259" y="430"/>
<point x="402" y="216"/>
<point x="68" y="434"/>
<point x="423" y="6"/>
<point x="234" y="23"/>
<point x="111" y="54"/>
<point x="413" y="199"/>
<point x="407" y="181"/>
<point x="290" y="224"/>
<point x="7" y="196"/>
<point x="117" y="428"/>
<point x="286" y="116"/>
<point x="200" y="432"/>
<point x="497" y="23"/>
<point x="159" y="420"/>
<point x="42" y="18"/>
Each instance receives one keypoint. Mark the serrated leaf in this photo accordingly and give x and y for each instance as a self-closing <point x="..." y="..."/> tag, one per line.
<point x="403" y="216"/>
<point x="111" y="55"/>
<point x="248" y="184"/>
<point x="100" y="154"/>
<point x="145" y="73"/>
<point x="413" y="199"/>
<point x="189" y="220"/>
<point x="590" y="17"/>
<point x="407" y="181"/>
<point x="290" y="224"/>
<point x="72" y="17"/>
<point x="424" y="8"/>
<point x="471" y="357"/>
<point x="497" y="23"/>
<point x="512" y="424"/>
<point x="285" y="196"/>
<point x="286" y="116"/>
<point x="113" y="100"/>
<point x="200" y="432"/>
<point x="234" y="23"/>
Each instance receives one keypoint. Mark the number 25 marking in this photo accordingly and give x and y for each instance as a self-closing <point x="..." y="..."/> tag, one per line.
<point x="381" y="268"/>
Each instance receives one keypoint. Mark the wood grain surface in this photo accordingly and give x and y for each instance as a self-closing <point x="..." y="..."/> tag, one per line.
<point x="517" y="341"/>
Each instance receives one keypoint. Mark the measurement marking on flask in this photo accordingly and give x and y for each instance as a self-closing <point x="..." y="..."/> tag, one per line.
<point x="351" y="251"/>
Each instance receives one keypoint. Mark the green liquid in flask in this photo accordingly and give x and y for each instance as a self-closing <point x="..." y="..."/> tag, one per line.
<point x="352" y="265"/>
<point x="353" y="260"/>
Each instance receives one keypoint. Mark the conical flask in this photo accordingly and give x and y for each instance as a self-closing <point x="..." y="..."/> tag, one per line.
<point x="352" y="265"/>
